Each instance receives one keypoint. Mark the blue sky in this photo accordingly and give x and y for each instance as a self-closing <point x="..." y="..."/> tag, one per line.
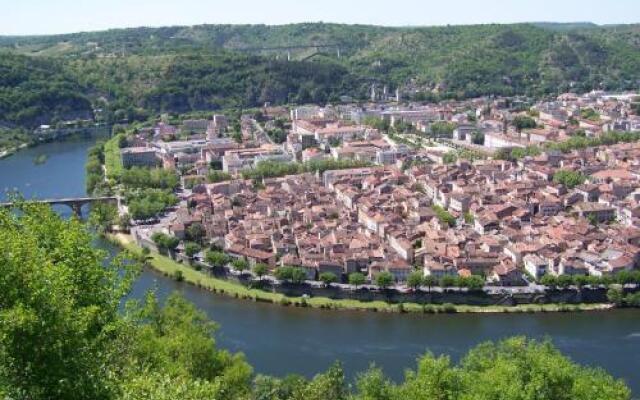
<point x="20" y="17"/>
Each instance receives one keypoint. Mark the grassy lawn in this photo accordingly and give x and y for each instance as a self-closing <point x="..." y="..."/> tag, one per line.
<point x="112" y="158"/>
<point x="171" y="268"/>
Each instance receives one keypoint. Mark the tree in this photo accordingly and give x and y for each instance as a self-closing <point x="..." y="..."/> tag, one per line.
<point x="356" y="279"/>
<point x="615" y="295"/>
<point x="443" y="215"/>
<point x="449" y="281"/>
<point x="569" y="178"/>
<point x="473" y="282"/>
<point x="298" y="276"/>
<point x="294" y="275"/>
<point x="124" y="222"/>
<point x="328" y="278"/>
<point x="191" y="249"/>
<point x="102" y="216"/>
<point x="442" y="129"/>
<point x="384" y="280"/>
<point x="165" y="242"/>
<point x="177" y="341"/>
<point x="549" y="280"/>
<point x="240" y="264"/>
<point x="414" y="280"/>
<point x="59" y="319"/>
<point x="429" y="281"/>
<point x="373" y="385"/>
<point x="216" y="258"/>
<point x="522" y="122"/>
<point x="260" y="269"/>
<point x="564" y="281"/>
<point x="196" y="233"/>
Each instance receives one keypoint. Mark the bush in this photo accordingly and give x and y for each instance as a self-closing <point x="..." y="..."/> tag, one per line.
<point x="178" y="276"/>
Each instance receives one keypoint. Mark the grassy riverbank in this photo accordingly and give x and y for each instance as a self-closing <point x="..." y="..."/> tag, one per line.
<point x="171" y="268"/>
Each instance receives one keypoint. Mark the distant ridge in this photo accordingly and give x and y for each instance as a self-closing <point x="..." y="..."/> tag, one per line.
<point x="136" y="72"/>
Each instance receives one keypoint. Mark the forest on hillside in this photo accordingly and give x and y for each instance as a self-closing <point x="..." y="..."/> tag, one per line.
<point x="132" y="73"/>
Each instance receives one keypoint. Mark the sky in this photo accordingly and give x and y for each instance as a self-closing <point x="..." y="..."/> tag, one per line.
<point x="26" y="17"/>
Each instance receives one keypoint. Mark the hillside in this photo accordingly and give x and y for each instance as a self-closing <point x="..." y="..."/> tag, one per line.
<point x="133" y="72"/>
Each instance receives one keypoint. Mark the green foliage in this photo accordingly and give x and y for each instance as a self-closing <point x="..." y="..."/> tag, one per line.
<point x="113" y="158"/>
<point x="357" y="279"/>
<point x="563" y="281"/>
<point x="192" y="181"/>
<point x="12" y="138"/>
<point x="102" y="216"/>
<point x="569" y="178"/>
<point x="443" y="215"/>
<point x="217" y="259"/>
<point x="196" y="232"/>
<point x="94" y="180"/>
<point x="468" y="218"/>
<point x="384" y="280"/>
<point x="414" y="280"/>
<point x="148" y="203"/>
<point x="176" y="342"/>
<point x="278" y="135"/>
<point x="442" y="129"/>
<point x="165" y="242"/>
<point x="150" y="178"/>
<point x="273" y="169"/>
<point x="574" y="143"/>
<point x="615" y="295"/>
<point x="450" y="157"/>
<point x="473" y="282"/>
<point x="522" y="122"/>
<point x="291" y="274"/>
<point x="218" y="176"/>
<point x="191" y="249"/>
<point x="260" y="270"/>
<point x="328" y="278"/>
<point x="36" y="90"/>
<point x="202" y="70"/>
<point x="590" y="114"/>
<point x="64" y="334"/>
<point x="378" y="123"/>
<point x="430" y="281"/>
<point x="240" y="264"/>
<point x="59" y="308"/>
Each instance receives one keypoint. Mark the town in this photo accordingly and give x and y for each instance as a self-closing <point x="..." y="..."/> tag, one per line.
<point x="502" y="192"/>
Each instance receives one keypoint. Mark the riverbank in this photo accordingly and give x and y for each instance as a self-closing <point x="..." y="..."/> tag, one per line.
<point x="48" y="138"/>
<point x="8" y="152"/>
<point x="171" y="268"/>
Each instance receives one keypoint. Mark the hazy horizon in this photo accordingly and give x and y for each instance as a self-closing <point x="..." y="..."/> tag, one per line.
<point x="40" y="17"/>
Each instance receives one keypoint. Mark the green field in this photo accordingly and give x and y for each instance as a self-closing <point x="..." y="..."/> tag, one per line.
<point x="112" y="158"/>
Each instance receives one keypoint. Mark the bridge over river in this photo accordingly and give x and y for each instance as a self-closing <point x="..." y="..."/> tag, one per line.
<point x="75" y="203"/>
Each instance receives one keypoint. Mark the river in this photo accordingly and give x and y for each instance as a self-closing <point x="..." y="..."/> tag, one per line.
<point x="278" y="340"/>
